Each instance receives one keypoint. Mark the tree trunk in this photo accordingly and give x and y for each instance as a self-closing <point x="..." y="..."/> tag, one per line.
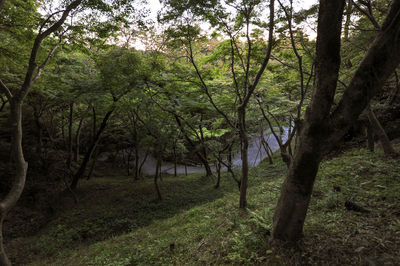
<point x="198" y="154"/>
<point x="70" y="122"/>
<point x="296" y="190"/>
<point x="144" y="160"/>
<point x="322" y="129"/>
<point x="370" y="137"/>
<point x="175" y="160"/>
<point x="380" y="132"/>
<point x="3" y="256"/>
<point x="81" y="171"/>
<point x="3" y="103"/>
<point x="93" y="166"/>
<point x="267" y="149"/>
<point x="244" y="146"/>
<point x="16" y="101"/>
<point x="218" y="166"/>
<point x="78" y="135"/>
<point x="349" y="10"/>
<point x="21" y="167"/>
<point x="159" y="197"/>
<point x="136" y="163"/>
<point x="159" y="170"/>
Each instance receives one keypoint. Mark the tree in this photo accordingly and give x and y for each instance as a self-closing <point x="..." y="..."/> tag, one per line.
<point x="16" y="101"/>
<point x="323" y="127"/>
<point x="246" y="67"/>
<point x="121" y="71"/>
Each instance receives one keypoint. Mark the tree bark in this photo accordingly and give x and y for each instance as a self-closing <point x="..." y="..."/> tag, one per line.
<point x="21" y="167"/>
<point x="296" y="190"/>
<point x="380" y="132"/>
<point x="321" y="129"/>
<point x="244" y="146"/>
<point x="159" y="197"/>
<point x="218" y="166"/>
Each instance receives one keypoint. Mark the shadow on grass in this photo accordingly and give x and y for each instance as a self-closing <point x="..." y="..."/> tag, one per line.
<point x="113" y="206"/>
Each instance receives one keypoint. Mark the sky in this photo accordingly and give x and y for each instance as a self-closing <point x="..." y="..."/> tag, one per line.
<point x="155" y="6"/>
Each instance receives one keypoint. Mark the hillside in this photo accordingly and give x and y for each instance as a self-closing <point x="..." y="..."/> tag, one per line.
<point x="118" y="222"/>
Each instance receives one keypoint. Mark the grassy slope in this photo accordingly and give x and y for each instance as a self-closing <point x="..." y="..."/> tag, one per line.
<point x="118" y="223"/>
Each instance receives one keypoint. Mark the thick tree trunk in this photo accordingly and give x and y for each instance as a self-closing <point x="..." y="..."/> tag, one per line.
<point x="322" y="129"/>
<point x="380" y="132"/>
<point x="21" y="167"/>
<point x="32" y="74"/>
<point x="296" y="190"/>
<point x="244" y="146"/>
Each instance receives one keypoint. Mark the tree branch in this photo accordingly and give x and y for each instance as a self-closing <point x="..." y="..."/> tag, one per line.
<point x="368" y="13"/>
<point x="28" y="82"/>
<point x="5" y="89"/>
<point x="378" y="64"/>
<point x="267" y="57"/>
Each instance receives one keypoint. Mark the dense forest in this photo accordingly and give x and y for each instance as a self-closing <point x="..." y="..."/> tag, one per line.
<point x="213" y="132"/>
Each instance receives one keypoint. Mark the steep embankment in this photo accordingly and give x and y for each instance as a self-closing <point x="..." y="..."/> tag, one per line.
<point x="117" y="222"/>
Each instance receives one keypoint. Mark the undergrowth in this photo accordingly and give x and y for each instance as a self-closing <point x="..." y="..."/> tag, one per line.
<point x="118" y="222"/>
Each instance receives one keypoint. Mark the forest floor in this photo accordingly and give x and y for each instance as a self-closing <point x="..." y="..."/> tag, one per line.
<point x="118" y="222"/>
